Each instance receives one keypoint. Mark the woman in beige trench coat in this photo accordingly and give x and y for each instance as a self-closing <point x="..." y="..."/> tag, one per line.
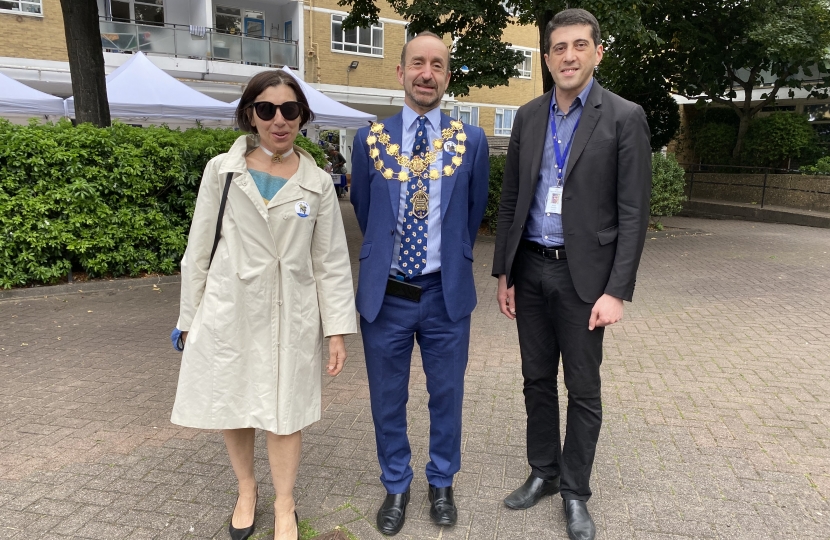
<point x="254" y="318"/>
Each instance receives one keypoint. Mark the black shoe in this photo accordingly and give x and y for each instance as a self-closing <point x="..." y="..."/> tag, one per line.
<point x="297" y="519"/>
<point x="580" y="524"/>
<point x="442" y="506"/>
<point x="392" y="513"/>
<point x="531" y="492"/>
<point x="242" y="534"/>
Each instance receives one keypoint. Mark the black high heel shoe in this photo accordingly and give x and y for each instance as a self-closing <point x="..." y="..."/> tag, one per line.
<point x="243" y="534"/>
<point x="297" y="519"/>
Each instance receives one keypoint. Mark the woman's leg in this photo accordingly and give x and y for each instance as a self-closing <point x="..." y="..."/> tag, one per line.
<point x="240" y="444"/>
<point x="284" y="457"/>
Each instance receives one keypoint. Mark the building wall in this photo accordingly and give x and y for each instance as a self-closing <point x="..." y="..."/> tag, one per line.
<point x="329" y="67"/>
<point x="41" y="38"/>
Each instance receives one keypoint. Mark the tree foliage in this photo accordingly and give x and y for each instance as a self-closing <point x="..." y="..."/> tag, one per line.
<point x="476" y="28"/>
<point x="717" y="47"/>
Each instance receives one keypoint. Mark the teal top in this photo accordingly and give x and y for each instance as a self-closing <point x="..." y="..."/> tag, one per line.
<point x="267" y="184"/>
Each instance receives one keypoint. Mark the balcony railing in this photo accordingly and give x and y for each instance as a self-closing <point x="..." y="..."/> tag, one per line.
<point x="178" y="40"/>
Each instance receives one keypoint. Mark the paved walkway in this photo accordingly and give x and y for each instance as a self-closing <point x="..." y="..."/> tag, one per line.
<point x="717" y="410"/>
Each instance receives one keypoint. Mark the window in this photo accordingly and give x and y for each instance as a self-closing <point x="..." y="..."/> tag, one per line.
<point x="26" y="6"/>
<point x="504" y="121"/>
<point x="228" y="20"/>
<point x="525" y="67"/>
<point x="357" y="40"/>
<point x="468" y="115"/>
<point x="140" y="11"/>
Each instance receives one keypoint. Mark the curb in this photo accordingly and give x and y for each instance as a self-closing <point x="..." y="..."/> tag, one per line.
<point x="84" y="287"/>
<point x="715" y="210"/>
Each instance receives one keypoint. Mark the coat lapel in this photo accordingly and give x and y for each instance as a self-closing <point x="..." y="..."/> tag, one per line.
<point x="539" y="132"/>
<point x="587" y="122"/>
<point x="448" y="182"/>
<point x="394" y="127"/>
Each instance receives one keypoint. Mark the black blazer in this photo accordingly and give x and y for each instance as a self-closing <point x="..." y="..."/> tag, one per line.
<point x="605" y="202"/>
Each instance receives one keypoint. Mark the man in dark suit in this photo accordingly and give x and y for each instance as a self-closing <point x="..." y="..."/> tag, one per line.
<point x="572" y="223"/>
<point x="419" y="189"/>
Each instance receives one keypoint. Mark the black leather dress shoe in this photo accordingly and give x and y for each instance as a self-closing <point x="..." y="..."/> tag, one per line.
<point x="392" y="513"/>
<point x="531" y="492"/>
<point x="442" y="506"/>
<point x="580" y="524"/>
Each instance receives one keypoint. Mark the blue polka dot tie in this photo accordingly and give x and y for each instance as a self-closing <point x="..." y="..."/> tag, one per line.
<point x="413" y="250"/>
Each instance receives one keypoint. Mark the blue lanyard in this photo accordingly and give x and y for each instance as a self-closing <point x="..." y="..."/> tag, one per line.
<point x="561" y="157"/>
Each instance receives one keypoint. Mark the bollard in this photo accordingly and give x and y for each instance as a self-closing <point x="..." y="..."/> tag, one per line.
<point x="764" y="188"/>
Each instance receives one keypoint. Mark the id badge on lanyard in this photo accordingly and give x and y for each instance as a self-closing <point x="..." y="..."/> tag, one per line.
<point x="553" y="201"/>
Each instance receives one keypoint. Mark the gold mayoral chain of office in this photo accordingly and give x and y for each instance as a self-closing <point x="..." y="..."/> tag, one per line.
<point x="416" y="166"/>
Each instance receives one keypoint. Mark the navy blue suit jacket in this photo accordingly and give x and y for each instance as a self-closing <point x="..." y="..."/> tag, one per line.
<point x="376" y="201"/>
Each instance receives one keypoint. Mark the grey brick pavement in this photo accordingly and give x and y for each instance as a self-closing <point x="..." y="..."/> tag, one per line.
<point x="716" y="387"/>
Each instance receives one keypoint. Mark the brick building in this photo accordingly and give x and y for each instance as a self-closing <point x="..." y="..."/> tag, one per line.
<point x="215" y="46"/>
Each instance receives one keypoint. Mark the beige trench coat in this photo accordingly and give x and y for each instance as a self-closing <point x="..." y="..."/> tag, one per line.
<point x="256" y="319"/>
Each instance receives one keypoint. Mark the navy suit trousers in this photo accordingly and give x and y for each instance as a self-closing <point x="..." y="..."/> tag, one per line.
<point x="388" y="342"/>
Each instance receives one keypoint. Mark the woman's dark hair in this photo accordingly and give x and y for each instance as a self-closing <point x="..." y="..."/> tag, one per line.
<point x="257" y="85"/>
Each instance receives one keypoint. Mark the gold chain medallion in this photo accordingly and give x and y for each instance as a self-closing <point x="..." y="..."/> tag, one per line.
<point x="417" y="166"/>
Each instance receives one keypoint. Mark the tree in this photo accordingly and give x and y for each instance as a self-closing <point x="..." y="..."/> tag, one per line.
<point x="86" y="61"/>
<point x="717" y="47"/>
<point x="476" y="28"/>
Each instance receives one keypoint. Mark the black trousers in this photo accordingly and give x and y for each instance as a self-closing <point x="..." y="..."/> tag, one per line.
<point x="552" y="320"/>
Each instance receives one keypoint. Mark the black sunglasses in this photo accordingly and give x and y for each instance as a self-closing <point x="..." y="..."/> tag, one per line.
<point x="267" y="110"/>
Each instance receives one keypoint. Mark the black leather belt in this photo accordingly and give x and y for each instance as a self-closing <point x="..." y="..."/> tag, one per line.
<point x="556" y="252"/>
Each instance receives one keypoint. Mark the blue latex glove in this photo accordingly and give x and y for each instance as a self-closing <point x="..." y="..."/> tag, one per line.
<point x="176" y="338"/>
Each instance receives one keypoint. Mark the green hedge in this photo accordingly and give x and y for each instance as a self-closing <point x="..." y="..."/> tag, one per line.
<point x="115" y="201"/>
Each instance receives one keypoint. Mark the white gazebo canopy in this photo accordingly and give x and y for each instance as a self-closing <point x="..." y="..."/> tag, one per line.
<point x="19" y="100"/>
<point x="330" y="113"/>
<point x="140" y="90"/>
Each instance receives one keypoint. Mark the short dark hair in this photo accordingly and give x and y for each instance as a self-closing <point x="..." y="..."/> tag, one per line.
<point x="425" y="33"/>
<point x="572" y="17"/>
<point x="257" y="85"/>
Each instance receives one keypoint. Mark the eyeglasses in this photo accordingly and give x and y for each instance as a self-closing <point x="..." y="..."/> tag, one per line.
<point x="267" y="111"/>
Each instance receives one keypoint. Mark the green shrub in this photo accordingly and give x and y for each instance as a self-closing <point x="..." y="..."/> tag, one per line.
<point x="314" y="149"/>
<point x="114" y="201"/>
<point x="774" y="140"/>
<point x="491" y="213"/>
<point x="822" y="167"/>
<point x="714" y="142"/>
<point x="667" y="186"/>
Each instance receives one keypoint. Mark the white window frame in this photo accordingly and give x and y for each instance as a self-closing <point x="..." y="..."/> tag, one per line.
<point x="526" y="61"/>
<point x="20" y="4"/>
<point x="377" y="50"/>
<point x="504" y="131"/>
<point x="457" y="109"/>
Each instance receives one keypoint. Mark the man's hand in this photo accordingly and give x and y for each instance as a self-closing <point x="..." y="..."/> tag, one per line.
<point x="184" y="337"/>
<point x="507" y="298"/>
<point x="337" y="355"/>
<point x="607" y="310"/>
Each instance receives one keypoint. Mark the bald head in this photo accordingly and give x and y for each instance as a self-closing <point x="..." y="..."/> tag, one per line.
<point x="425" y="34"/>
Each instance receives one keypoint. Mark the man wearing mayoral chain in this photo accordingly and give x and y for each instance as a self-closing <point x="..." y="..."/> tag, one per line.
<point x="419" y="189"/>
<point x="572" y="224"/>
